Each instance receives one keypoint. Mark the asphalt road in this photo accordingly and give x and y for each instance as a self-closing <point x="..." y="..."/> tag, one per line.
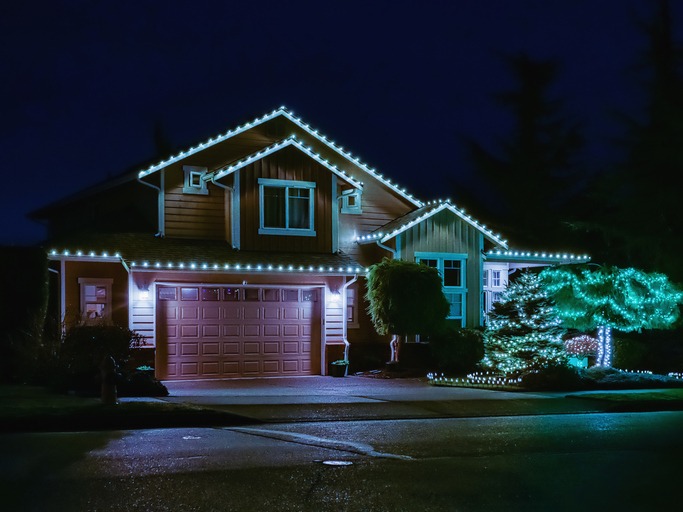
<point x="593" y="461"/>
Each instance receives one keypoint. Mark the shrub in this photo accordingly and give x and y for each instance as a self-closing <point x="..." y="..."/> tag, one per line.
<point x="457" y="350"/>
<point x="553" y="377"/>
<point x="83" y="349"/>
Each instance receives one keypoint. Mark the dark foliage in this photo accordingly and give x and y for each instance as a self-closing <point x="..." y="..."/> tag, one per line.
<point x="24" y="279"/>
<point x="139" y="383"/>
<point x="83" y="350"/>
<point x="456" y="350"/>
<point x="405" y="298"/>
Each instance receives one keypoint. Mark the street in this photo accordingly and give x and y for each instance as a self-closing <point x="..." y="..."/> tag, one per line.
<point x="552" y="462"/>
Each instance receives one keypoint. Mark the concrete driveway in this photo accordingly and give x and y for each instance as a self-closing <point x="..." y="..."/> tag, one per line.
<point x="323" y="398"/>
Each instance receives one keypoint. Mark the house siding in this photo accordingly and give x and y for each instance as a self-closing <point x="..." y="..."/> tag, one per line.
<point x="288" y="164"/>
<point x="193" y="215"/>
<point x="440" y="233"/>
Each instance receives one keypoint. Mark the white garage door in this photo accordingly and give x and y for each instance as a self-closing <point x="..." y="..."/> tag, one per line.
<point x="207" y="331"/>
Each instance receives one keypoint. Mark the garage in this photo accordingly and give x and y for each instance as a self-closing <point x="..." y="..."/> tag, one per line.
<point x="217" y="331"/>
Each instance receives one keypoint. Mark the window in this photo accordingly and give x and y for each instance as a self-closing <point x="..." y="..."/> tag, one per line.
<point x="495" y="278"/>
<point x="194" y="180"/>
<point x="451" y="267"/>
<point x="286" y="207"/>
<point x="95" y="299"/>
<point x="351" y="201"/>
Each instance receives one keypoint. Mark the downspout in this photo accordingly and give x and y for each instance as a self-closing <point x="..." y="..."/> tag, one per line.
<point x="392" y="251"/>
<point x="160" y="202"/>
<point x="345" y="317"/>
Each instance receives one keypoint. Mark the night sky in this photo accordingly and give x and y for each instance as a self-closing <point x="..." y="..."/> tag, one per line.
<point x="87" y="84"/>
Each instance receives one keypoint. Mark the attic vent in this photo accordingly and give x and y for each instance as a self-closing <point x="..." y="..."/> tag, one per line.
<point x="194" y="184"/>
<point x="351" y="201"/>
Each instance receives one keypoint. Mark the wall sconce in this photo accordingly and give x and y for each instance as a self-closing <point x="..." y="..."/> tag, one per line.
<point x="143" y="294"/>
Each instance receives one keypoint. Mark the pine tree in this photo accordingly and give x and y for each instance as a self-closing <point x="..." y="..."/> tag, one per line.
<point x="523" y="332"/>
<point x="528" y="176"/>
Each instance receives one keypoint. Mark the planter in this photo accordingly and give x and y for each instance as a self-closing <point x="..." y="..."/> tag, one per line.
<point x="338" y="370"/>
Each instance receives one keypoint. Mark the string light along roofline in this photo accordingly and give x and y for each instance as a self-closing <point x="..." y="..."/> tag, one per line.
<point x="205" y="266"/>
<point x="273" y="148"/>
<point x="525" y="255"/>
<point x="439" y="206"/>
<point x="284" y="112"/>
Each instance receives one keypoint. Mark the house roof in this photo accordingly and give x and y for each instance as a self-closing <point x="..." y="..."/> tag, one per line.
<point x="273" y="148"/>
<point x="527" y="258"/>
<point x="145" y="251"/>
<point x="407" y="221"/>
<point x="285" y="113"/>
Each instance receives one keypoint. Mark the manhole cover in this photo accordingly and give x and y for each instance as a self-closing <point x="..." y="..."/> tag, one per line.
<point x="337" y="462"/>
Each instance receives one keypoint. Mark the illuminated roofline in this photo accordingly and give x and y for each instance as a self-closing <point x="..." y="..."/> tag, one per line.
<point x="281" y="111"/>
<point x="289" y="141"/>
<point x="526" y="256"/>
<point x="210" y="267"/>
<point x="384" y="237"/>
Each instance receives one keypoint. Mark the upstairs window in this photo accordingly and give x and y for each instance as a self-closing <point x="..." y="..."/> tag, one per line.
<point x="286" y="207"/>
<point x="194" y="180"/>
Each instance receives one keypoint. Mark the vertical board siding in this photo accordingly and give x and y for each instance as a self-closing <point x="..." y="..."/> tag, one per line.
<point x="288" y="164"/>
<point x="440" y="234"/>
<point x="193" y="215"/>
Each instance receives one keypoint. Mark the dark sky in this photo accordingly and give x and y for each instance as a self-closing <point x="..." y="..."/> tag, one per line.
<point x="85" y="82"/>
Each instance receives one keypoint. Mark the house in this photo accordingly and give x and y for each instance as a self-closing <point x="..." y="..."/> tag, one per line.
<point x="245" y="255"/>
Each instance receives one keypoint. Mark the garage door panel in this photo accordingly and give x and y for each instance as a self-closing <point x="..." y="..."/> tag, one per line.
<point x="210" y="331"/>
<point x="211" y="313"/>
<point x="290" y="347"/>
<point x="189" y="369"/>
<point x="231" y="331"/>
<point x="189" y="313"/>
<point x="271" y="330"/>
<point x="291" y="313"/>
<point x="290" y="330"/>
<point x="270" y="347"/>
<point x="211" y="368"/>
<point x="265" y="332"/>
<point x="189" y="349"/>
<point x="230" y="348"/>
<point x="189" y="331"/>
<point x="210" y="349"/>
<point x="251" y="347"/>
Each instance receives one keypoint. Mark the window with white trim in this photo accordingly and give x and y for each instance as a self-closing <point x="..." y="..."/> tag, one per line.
<point x="451" y="268"/>
<point x="351" y="309"/>
<point x="95" y="299"/>
<point x="286" y="207"/>
<point x="194" y="180"/>
<point x="495" y="278"/>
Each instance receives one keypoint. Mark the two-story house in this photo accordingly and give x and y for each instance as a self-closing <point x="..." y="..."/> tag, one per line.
<point x="245" y="255"/>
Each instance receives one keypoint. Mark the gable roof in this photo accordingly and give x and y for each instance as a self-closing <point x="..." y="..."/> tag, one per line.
<point x="285" y="113"/>
<point x="398" y="226"/>
<point x="273" y="148"/>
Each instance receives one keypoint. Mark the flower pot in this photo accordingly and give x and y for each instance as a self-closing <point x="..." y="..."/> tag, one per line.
<point x="338" y="370"/>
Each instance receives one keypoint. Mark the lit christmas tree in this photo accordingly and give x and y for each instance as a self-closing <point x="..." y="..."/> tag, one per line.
<point x="523" y="332"/>
<point x="611" y="297"/>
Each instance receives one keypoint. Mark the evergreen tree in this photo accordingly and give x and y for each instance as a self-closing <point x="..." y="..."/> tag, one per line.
<point x="527" y="176"/>
<point x="637" y="204"/>
<point x="523" y="332"/>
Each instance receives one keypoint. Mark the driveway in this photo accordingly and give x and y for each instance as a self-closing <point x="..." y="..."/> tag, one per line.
<point x="322" y="398"/>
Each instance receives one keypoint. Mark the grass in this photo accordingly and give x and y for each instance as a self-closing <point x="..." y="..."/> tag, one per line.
<point x="32" y="408"/>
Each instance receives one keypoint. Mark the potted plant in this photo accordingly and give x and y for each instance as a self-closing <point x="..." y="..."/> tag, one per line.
<point x="338" y="368"/>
